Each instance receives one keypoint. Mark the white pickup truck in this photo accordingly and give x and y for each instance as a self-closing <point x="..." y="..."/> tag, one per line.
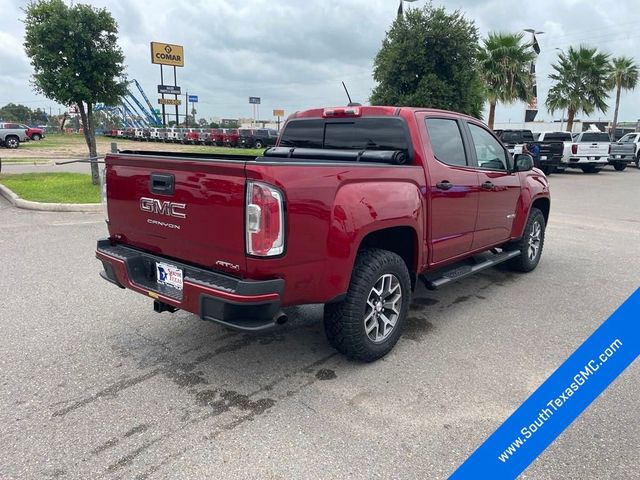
<point x="589" y="151"/>
<point x="11" y="134"/>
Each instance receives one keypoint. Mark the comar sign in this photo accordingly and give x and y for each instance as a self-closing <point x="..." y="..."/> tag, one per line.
<point x="167" y="54"/>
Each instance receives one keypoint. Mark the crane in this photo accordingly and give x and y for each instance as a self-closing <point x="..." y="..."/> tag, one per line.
<point x="146" y="99"/>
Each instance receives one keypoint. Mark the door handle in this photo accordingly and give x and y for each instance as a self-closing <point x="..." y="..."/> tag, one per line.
<point x="162" y="183"/>
<point x="444" y="185"/>
<point x="487" y="185"/>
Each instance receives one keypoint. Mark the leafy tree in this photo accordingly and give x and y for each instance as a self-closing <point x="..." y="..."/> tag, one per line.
<point x="581" y="82"/>
<point x="76" y="59"/>
<point x="15" y="113"/>
<point x="505" y="63"/>
<point x="429" y="58"/>
<point x="623" y="75"/>
<point x="214" y="125"/>
<point x="22" y="114"/>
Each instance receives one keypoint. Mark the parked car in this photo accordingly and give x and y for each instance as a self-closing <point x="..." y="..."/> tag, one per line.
<point x="634" y="139"/>
<point x="353" y="206"/>
<point x="588" y="151"/>
<point x="552" y="146"/>
<point x="34" y="133"/>
<point x="172" y="135"/>
<point x="190" y="135"/>
<point x="257" y="137"/>
<point x="514" y="140"/>
<point x="621" y="154"/>
<point x="11" y="134"/>
<point x="231" y="137"/>
<point x="215" y="136"/>
<point x="138" y="134"/>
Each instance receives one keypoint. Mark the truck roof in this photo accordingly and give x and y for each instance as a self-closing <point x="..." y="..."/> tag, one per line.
<point x="371" y="111"/>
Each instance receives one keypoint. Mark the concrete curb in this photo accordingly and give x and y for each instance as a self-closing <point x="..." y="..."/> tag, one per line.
<point x="18" y="202"/>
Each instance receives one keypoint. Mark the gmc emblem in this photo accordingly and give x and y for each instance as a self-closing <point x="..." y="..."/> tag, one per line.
<point x="162" y="207"/>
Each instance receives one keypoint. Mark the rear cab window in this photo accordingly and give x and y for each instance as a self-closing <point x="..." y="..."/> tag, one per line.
<point x="557" y="137"/>
<point x="595" y="137"/>
<point x="363" y="133"/>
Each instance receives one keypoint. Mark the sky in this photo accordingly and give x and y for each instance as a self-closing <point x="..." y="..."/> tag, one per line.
<point x="294" y="53"/>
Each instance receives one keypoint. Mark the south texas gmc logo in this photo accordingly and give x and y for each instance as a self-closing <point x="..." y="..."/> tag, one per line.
<point x="171" y="209"/>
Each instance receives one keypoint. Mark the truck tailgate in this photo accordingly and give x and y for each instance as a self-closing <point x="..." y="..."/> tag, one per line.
<point x="596" y="149"/>
<point x="199" y="219"/>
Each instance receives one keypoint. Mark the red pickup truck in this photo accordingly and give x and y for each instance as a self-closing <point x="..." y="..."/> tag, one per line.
<point x="352" y="207"/>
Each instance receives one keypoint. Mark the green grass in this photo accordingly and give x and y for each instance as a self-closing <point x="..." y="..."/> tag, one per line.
<point x="60" y="141"/>
<point x="250" y="152"/>
<point x="54" y="140"/>
<point x="53" y="187"/>
<point x="25" y="161"/>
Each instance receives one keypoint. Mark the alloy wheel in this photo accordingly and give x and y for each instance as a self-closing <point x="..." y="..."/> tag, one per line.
<point x="383" y="308"/>
<point x="535" y="238"/>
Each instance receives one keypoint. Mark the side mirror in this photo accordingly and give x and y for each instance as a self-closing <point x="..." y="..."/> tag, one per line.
<point x="524" y="162"/>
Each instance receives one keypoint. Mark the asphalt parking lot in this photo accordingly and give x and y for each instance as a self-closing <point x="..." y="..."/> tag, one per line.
<point x="97" y="385"/>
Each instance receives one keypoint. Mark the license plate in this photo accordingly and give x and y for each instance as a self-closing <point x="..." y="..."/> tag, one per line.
<point x="543" y="157"/>
<point x="618" y="156"/>
<point x="591" y="158"/>
<point x="169" y="275"/>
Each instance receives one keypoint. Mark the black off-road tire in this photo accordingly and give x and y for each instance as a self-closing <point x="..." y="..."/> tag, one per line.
<point x="258" y="144"/>
<point x="638" y="160"/>
<point x="620" y="166"/>
<point x="36" y="137"/>
<point x="524" y="262"/>
<point x="344" y="321"/>
<point x="12" y="141"/>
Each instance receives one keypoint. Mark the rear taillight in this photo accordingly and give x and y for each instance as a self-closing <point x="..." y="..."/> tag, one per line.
<point x="574" y="149"/>
<point x="264" y="220"/>
<point x="103" y="189"/>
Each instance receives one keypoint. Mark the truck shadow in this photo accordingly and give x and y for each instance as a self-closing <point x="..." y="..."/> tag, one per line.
<point x="225" y="378"/>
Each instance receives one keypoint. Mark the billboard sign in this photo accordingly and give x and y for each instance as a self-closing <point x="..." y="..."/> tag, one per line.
<point x="193" y="98"/>
<point x="169" y="101"/>
<point x="254" y="100"/>
<point x="167" y="54"/>
<point x="278" y="112"/>
<point x="169" y="89"/>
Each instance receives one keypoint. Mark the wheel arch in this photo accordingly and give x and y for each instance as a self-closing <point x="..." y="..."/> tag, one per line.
<point x="401" y="240"/>
<point x="544" y="205"/>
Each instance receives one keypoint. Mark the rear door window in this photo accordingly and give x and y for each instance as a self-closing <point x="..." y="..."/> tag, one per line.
<point x="446" y="141"/>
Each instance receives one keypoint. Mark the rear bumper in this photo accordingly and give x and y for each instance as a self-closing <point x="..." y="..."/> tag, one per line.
<point x="585" y="161"/>
<point x="547" y="162"/>
<point x="623" y="159"/>
<point x="246" y="305"/>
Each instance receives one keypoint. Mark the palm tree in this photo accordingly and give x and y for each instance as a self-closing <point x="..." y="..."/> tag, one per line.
<point x="581" y="82"/>
<point x="624" y="74"/>
<point x="505" y="68"/>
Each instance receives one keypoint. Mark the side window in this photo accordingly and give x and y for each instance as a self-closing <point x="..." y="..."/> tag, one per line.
<point x="446" y="141"/>
<point x="489" y="151"/>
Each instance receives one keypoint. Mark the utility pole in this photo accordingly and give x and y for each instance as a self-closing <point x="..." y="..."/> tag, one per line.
<point x="186" y="109"/>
